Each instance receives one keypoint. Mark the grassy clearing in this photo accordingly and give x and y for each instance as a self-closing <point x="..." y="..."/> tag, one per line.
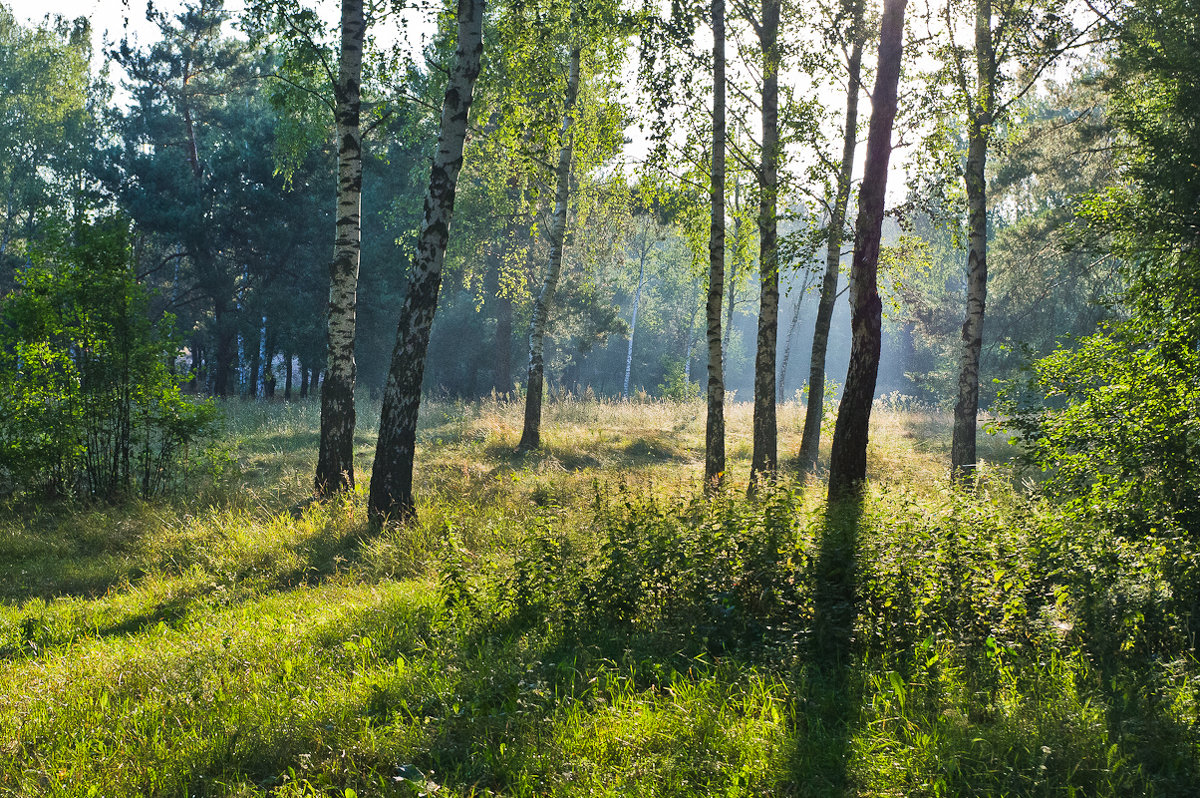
<point x="580" y="622"/>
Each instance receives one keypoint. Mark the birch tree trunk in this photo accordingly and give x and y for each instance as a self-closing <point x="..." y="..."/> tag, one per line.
<point x="781" y="383"/>
<point x="714" y="428"/>
<point x="391" y="493"/>
<point x="763" y="458"/>
<point x="810" y="441"/>
<point x="637" y="299"/>
<point x="966" y="408"/>
<point x="531" y="435"/>
<point x="335" y="459"/>
<point x="848" y="462"/>
<point x="735" y="261"/>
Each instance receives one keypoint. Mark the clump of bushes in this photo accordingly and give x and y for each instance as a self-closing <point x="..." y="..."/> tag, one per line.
<point x="89" y="405"/>
<point x="1114" y="426"/>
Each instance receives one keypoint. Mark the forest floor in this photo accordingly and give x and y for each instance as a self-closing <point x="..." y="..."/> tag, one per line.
<point x="582" y="621"/>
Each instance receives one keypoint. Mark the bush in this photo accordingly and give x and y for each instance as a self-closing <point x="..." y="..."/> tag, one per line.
<point x="676" y="385"/>
<point x="88" y="404"/>
<point x="1114" y="426"/>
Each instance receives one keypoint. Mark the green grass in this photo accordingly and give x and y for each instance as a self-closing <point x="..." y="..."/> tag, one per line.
<point x="580" y="621"/>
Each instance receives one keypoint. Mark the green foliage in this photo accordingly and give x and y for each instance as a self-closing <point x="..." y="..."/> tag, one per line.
<point x="1114" y="425"/>
<point x="88" y="404"/>
<point x="677" y="385"/>
<point x="48" y="126"/>
<point x="716" y="575"/>
<point x="1152" y="213"/>
<point x="830" y="398"/>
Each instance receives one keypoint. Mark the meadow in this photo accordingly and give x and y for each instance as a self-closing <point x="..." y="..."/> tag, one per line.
<point x="584" y="621"/>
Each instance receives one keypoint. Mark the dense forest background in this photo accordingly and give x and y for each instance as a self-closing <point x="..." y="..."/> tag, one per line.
<point x="213" y="143"/>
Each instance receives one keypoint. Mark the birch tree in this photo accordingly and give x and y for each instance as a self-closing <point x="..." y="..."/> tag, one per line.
<point x="764" y="455"/>
<point x="714" y="429"/>
<point x="588" y="130"/>
<point x="648" y="234"/>
<point x="1028" y="35"/>
<point x="305" y="73"/>
<point x="335" y="459"/>
<point x="391" y="494"/>
<point x="535" y="379"/>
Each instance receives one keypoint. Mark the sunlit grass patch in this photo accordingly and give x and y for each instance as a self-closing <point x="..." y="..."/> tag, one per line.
<point x="987" y="724"/>
<point x="699" y="733"/>
<point x="254" y="688"/>
<point x="583" y="620"/>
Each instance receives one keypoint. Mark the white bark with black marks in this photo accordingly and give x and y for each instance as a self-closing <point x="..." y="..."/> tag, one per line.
<point x="765" y="452"/>
<point x="637" y="300"/>
<point x="714" y="430"/>
<point x="966" y="408"/>
<point x="391" y="493"/>
<point x="335" y="459"/>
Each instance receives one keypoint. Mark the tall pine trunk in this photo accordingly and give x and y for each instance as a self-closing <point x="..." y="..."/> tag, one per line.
<point x="251" y="386"/>
<point x="763" y="458"/>
<point x="391" y="477"/>
<point x="810" y="441"/>
<point x="226" y="348"/>
<point x="966" y="408"/>
<point x="848" y="462"/>
<point x="531" y="435"/>
<point x="287" y="376"/>
<point x="268" y="370"/>
<point x="335" y="460"/>
<point x="714" y="428"/>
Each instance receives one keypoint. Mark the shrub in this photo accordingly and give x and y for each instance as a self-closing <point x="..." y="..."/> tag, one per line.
<point x="676" y="385"/>
<point x="88" y="405"/>
<point x="1114" y="426"/>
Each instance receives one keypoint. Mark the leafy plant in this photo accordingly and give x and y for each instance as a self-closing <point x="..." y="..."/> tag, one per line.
<point x="88" y="402"/>
<point x="1114" y="425"/>
<point x="677" y="385"/>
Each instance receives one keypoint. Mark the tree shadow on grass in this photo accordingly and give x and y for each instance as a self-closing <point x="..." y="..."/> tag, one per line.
<point x="827" y="693"/>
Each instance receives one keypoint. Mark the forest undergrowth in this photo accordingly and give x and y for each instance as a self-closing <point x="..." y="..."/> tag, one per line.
<point x="584" y="621"/>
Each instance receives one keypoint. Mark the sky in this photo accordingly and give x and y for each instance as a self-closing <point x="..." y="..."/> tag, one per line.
<point x="110" y="18"/>
<point x="114" y="19"/>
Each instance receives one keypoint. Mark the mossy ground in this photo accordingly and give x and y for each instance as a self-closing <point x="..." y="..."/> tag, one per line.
<point x="581" y="621"/>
